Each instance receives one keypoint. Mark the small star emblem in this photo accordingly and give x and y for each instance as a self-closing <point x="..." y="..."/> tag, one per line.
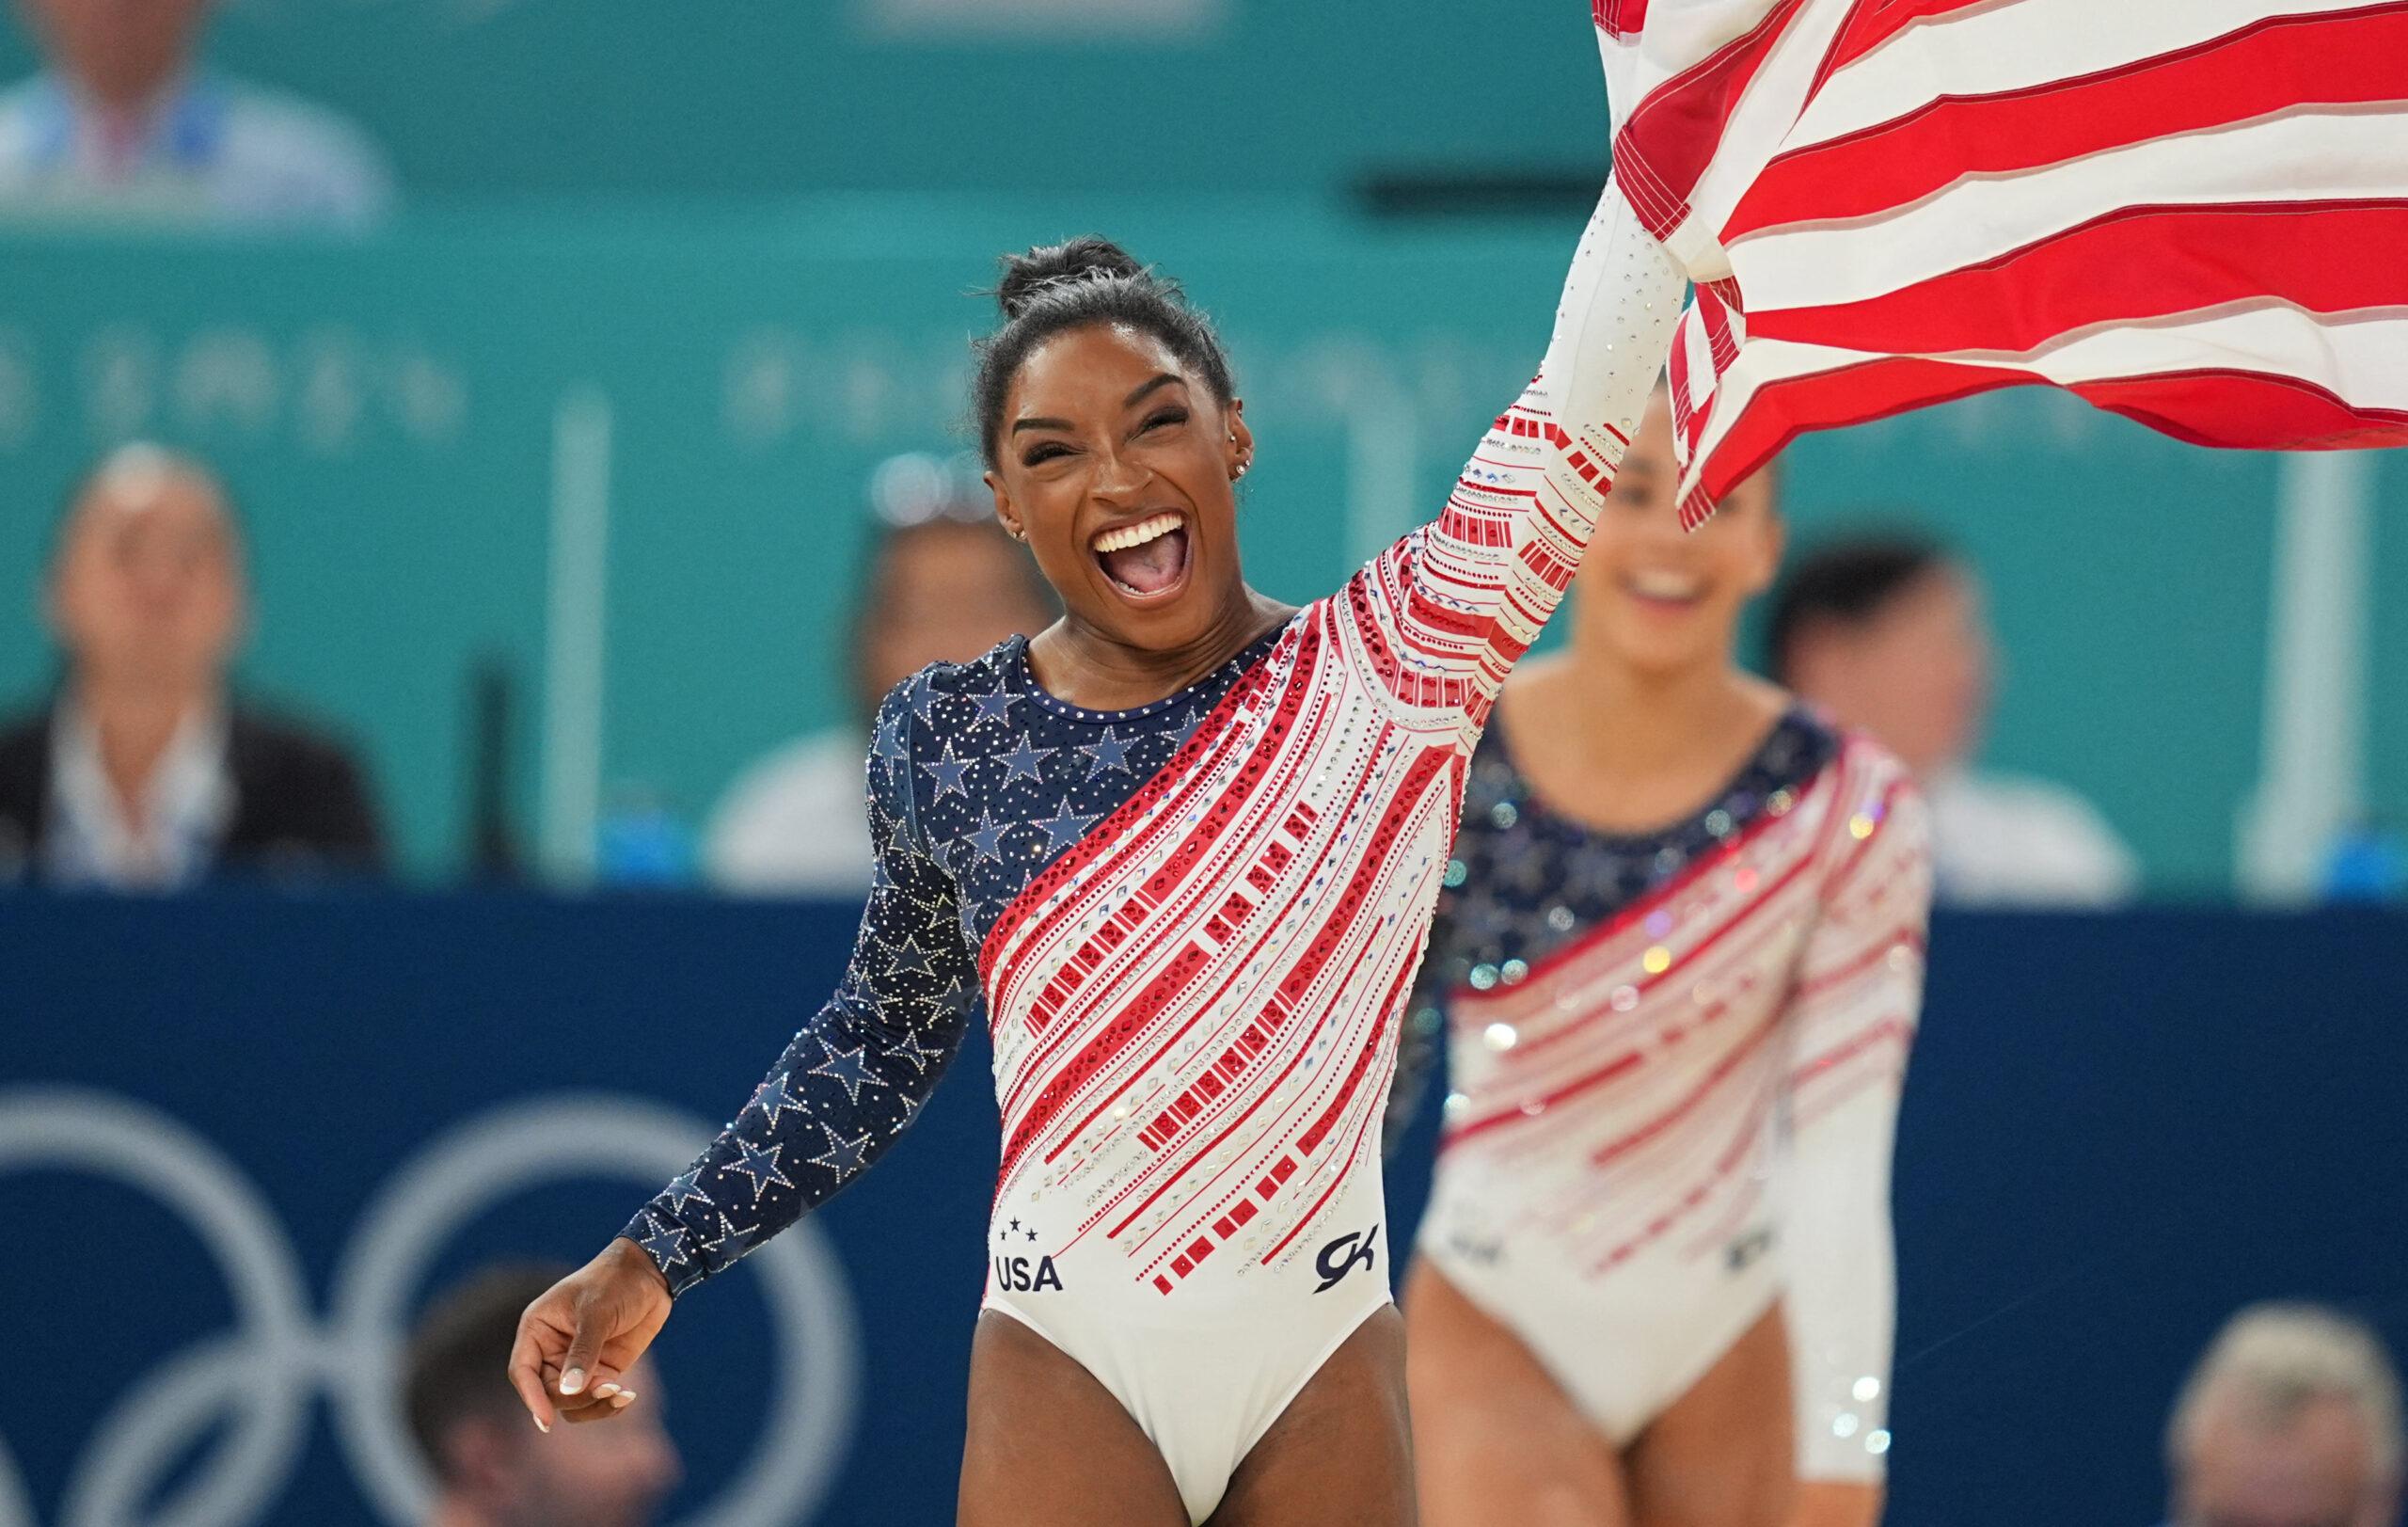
<point x="924" y="700"/>
<point x="889" y="742"/>
<point x="773" y="1099"/>
<point x="989" y="838"/>
<point x="761" y="1165"/>
<point x="912" y="1050"/>
<point x="948" y="771"/>
<point x="666" y="1245"/>
<point x="1061" y="830"/>
<point x="847" y="1067"/>
<point x="996" y="708"/>
<point x="1023" y="760"/>
<point x="685" y="1188"/>
<point x="908" y="959"/>
<point x="843" y="1156"/>
<point x="1107" y="754"/>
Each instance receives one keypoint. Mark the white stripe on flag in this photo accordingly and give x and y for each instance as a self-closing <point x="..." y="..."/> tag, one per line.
<point x="2314" y="155"/>
<point x="1991" y="49"/>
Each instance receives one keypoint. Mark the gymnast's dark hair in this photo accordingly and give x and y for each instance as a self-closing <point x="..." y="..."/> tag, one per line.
<point x="1846" y="583"/>
<point x="1088" y="280"/>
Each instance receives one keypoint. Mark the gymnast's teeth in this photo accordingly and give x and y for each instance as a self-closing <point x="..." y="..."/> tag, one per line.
<point x="1664" y="585"/>
<point x="1144" y="530"/>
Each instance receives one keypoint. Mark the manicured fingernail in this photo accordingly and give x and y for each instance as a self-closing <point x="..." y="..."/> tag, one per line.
<point x="603" y="1392"/>
<point x="624" y="1399"/>
<point x="572" y="1382"/>
<point x="539" y="1423"/>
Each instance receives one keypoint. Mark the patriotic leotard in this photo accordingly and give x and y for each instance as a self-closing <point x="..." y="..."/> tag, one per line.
<point x="1638" y="1024"/>
<point x="1192" y="929"/>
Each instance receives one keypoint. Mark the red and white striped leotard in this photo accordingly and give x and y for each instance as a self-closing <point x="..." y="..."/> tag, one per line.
<point x="1192" y="973"/>
<point x="1675" y="1061"/>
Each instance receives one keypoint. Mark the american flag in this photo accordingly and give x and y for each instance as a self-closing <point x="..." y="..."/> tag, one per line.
<point x="2192" y="212"/>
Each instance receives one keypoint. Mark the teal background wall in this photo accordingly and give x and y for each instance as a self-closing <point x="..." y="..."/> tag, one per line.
<point x="386" y="411"/>
<point x="750" y="96"/>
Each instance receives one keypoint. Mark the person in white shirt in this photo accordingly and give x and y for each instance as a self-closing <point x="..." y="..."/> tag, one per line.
<point x="1888" y="634"/>
<point x="125" y="125"/>
<point x="943" y="584"/>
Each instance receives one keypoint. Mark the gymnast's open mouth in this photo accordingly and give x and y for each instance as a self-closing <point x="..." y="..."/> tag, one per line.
<point x="1145" y="560"/>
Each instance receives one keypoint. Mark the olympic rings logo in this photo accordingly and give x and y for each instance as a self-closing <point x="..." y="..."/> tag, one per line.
<point x="262" y="1377"/>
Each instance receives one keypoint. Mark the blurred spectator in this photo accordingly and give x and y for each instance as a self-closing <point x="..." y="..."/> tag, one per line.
<point x="1888" y="634"/>
<point x="2290" y="1419"/>
<point x="125" y="124"/>
<point x="491" y="1468"/>
<point x="143" y="771"/>
<point x="943" y="583"/>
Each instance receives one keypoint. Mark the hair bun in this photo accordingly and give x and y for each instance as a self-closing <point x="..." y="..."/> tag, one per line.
<point x="1085" y="258"/>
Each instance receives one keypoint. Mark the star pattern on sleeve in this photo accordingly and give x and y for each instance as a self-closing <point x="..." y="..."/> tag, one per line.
<point x="760" y="1164"/>
<point x="684" y="1189"/>
<point x="666" y="1245"/>
<point x="948" y="773"/>
<point x="843" y="1157"/>
<point x="847" y="1067"/>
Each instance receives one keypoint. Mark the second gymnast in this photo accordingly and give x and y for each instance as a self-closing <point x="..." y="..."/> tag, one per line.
<point x="1682" y="953"/>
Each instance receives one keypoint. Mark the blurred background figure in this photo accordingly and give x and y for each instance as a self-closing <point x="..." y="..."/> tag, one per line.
<point x="941" y="583"/>
<point x="493" y="1470"/>
<point x="143" y="771"/>
<point x="125" y="123"/>
<point x="2290" y="1419"/>
<point x="1887" y="633"/>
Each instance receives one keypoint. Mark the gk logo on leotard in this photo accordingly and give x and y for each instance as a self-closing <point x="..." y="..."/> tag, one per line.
<point x="1342" y="1255"/>
<point x="1742" y="1253"/>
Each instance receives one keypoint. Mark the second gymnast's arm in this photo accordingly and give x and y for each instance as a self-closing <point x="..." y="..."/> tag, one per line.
<point x="1853" y="1018"/>
<point x="854" y="1077"/>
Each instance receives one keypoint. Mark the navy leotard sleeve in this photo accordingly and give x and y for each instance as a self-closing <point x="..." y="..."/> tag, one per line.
<point x="852" y="1080"/>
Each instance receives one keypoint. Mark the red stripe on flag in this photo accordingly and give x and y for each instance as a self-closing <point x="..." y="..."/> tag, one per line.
<point x="2267" y="66"/>
<point x="2136" y="262"/>
<point x="2247" y="410"/>
<point x="1664" y="149"/>
<point x="1619" y="18"/>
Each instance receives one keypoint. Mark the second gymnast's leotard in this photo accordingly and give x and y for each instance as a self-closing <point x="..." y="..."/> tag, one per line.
<point x="1192" y="928"/>
<point x="1675" y="1061"/>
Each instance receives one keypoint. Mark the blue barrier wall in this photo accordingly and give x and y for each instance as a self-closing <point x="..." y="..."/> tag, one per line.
<point x="2116" y="1132"/>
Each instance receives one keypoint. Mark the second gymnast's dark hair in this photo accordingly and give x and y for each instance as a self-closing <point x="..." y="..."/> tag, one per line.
<point x="1088" y="280"/>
